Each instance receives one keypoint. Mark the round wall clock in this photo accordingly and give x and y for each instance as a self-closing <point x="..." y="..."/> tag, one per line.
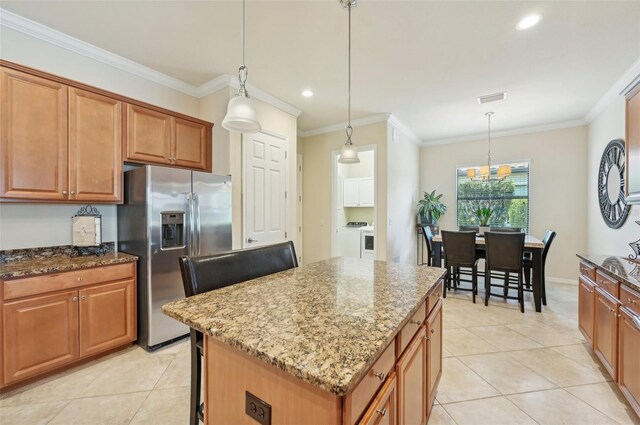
<point x="611" y="181"/>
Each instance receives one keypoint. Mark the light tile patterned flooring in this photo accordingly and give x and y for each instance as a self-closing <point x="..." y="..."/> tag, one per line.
<point x="500" y="367"/>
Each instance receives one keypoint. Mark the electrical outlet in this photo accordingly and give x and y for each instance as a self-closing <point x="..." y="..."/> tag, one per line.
<point x="257" y="409"/>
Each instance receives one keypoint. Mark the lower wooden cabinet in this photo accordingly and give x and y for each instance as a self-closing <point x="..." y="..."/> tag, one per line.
<point x="411" y="371"/>
<point x="383" y="409"/>
<point x="50" y="321"/>
<point x="434" y="353"/>
<point x="605" y="339"/>
<point x="628" y="362"/>
<point x="586" y="308"/>
<point x="39" y="334"/>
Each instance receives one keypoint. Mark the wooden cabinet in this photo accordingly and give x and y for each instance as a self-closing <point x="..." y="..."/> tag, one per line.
<point x="383" y="409"/>
<point x="107" y="316"/>
<point x="633" y="145"/>
<point x="411" y="371"/>
<point x="358" y="192"/>
<point x="33" y="137"/>
<point x="53" y="320"/>
<point x="586" y="306"/>
<point x="39" y="334"/>
<point x="434" y="353"/>
<point x="159" y="138"/>
<point x="605" y="338"/>
<point x="628" y="364"/>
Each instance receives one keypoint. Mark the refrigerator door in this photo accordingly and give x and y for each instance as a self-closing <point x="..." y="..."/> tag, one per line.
<point x="169" y="192"/>
<point x="212" y="213"/>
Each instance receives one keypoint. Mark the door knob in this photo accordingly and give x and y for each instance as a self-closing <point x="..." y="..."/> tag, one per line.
<point x="251" y="240"/>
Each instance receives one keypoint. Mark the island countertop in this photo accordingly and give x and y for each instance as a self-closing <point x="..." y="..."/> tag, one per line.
<point x="325" y="322"/>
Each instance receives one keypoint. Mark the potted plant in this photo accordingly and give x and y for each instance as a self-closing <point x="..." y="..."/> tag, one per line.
<point x="484" y="214"/>
<point x="430" y="208"/>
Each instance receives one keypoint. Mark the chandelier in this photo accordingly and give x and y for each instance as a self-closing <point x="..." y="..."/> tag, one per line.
<point x="483" y="173"/>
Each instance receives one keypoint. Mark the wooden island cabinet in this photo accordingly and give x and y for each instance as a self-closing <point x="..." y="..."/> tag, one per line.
<point x="609" y="318"/>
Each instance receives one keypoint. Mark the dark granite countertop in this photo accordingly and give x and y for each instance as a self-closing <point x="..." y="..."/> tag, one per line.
<point x="325" y="322"/>
<point x="36" y="261"/>
<point x="620" y="268"/>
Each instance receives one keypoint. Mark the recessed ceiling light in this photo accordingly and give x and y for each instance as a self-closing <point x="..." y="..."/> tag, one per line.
<point x="307" y="93"/>
<point x="528" y="22"/>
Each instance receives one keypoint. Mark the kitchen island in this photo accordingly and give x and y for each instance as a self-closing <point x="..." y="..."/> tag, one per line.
<point x="337" y="341"/>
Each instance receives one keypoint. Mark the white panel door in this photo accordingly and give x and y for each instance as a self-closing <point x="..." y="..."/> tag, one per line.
<point x="265" y="189"/>
<point x="365" y="193"/>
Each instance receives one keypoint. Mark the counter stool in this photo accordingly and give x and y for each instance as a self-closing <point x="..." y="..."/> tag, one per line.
<point x="461" y="252"/>
<point x="527" y="264"/>
<point x="209" y="272"/>
<point x="504" y="253"/>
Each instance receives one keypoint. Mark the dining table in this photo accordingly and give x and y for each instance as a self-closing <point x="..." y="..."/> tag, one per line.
<point x="531" y="244"/>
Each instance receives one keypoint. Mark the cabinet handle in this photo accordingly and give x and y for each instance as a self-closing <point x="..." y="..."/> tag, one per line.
<point x="80" y="279"/>
<point x="74" y="299"/>
<point x="72" y="193"/>
<point x="64" y="192"/>
<point x="630" y="301"/>
<point x="380" y="375"/>
<point x="433" y="331"/>
<point x="84" y="297"/>
<point x="428" y="338"/>
<point x="416" y="322"/>
<point x="382" y="411"/>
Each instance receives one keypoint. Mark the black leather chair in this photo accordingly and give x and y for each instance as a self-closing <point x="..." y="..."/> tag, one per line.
<point x="527" y="264"/>
<point x="504" y="251"/>
<point x="469" y="229"/>
<point x="428" y="240"/>
<point x="505" y="229"/>
<point x="461" y="252"/>
<point x="209" y="272"/>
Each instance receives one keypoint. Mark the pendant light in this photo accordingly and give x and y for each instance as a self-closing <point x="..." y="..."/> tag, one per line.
<point x="484" y="173"/>
<point x="349" y="153"/>
<point x="241" y="112"/>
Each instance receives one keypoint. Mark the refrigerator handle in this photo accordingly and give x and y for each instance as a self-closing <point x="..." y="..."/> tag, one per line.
<point x="190" y="224"/>
<point x="196" y="242"/>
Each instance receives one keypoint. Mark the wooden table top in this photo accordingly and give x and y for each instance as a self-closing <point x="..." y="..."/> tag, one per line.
<point x="529" y="241"/>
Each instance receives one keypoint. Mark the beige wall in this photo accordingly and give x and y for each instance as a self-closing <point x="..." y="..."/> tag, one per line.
<point x="402" y="196"/>
<point x="609" y="125"/>
<point x="317" y="187"/>
<point x="213" y="108"/>
<point x="34" y="225"/>
<point x="558" y="191"/>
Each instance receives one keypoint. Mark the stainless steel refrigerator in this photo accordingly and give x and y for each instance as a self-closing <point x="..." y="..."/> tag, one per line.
<point x="168" y="213"/>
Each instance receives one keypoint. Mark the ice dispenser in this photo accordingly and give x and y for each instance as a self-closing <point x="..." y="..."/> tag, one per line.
<point x="172" y="229"/>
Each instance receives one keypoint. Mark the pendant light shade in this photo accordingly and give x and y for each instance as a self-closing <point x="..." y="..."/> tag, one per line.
<point x="349" y="153"/>
<point x="241" y="112"/>
<point x="504" y="171"/>
<point x="471" y="173"/>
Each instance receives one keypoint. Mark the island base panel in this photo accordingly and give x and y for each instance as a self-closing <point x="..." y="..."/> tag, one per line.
<point x="230" y="373"/>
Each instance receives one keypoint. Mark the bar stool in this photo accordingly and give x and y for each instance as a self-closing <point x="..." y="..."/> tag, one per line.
<point x="461" y="252"/>
<point x="527" y="264"/>
<point x="209" y="272"/>
<point x="504" y="253"/>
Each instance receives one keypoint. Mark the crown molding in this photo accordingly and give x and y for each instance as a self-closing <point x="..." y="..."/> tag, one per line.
<point x="504" y="133"/>
<point x="402" y="127"/>
<point x="628" y="80"/>
<point x="212" y="86"/>
<point x="372" y="119"/>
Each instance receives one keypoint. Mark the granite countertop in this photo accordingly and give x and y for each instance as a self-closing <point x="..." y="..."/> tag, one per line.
<point x="36" y="261"/>
<point x="325" y="322"/>
<point x="620" y="268"/>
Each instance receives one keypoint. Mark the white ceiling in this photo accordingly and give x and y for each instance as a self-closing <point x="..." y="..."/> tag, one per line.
<point x="423" y="61"/>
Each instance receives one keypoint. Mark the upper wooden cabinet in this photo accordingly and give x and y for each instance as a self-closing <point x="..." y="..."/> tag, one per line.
<point x="33" y="137"/>
<point x="633" y="145"/>
<point x="158" y="138"/>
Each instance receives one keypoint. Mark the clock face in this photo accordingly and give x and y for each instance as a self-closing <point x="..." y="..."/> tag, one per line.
<point x="611" y="181"/>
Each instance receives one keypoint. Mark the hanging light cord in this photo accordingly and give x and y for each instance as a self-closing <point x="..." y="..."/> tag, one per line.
<point x="349" y="128"/>
<point x="243" y="71"/>
<point x="489" y="132"/>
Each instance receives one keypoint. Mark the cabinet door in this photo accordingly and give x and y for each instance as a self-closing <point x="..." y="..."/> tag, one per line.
<point x="629" y="366"/>
<point x="40" y="334"/>
<point x="365" y="192"/>
<point x="382" y="410"/>
<point x="33" y="137"/>
<point x="412" y="382"/>
<point x="586" y="305"/>
<point x="605" y="338"/>
<point x="95" y="146"/>
<point x="148" y="136"/>
<point x="350" y="192"/>
<point x="107" y="316"/>
<point x="191" y="148"/>
<point x="434" y="353"/>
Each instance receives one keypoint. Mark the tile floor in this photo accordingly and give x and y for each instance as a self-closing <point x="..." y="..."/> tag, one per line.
<point x="500" y="367"/>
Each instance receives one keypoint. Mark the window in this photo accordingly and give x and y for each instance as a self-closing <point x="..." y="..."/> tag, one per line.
<point x="508" y="198"/>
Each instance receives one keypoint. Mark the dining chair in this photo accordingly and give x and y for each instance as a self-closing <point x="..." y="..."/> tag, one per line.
<point x="527" y="264"/>
<point x="504" y="253"/>
<point x="205" y="273"/>
<point x="505" y="229"/>
<point x="469" y="229"/>
<point x="428" y="240"/>
<point x="461" y="252"/>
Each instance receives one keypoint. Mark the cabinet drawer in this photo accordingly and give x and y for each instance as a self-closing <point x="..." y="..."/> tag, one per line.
<point x="610" y="285"/>
<point x="411" y="328"/>
<point x="434" y="296"/>
<point x="383" y="409"/>
<point x="357" y="400"/>
<point x="588" y="271"/>
<point x="72" y="279"/>
<point x="630" y="299"/>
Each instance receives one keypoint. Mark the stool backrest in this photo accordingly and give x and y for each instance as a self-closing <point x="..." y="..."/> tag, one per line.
<point x="549" y="236"/>
<point x="428" y="239"/>
<point x="208" y="272"/>
<point x="460" y="247"/>
<point x="506" y="229"/>
<point x="469" y="229"/>
<point x="504" y="250"/>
